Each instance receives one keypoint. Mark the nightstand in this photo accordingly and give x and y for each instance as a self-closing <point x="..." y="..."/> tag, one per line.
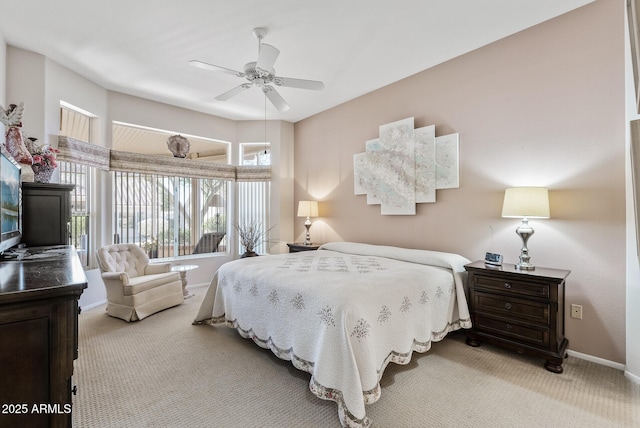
<point x="519" y="310"/>
<point x="297" y="247"/>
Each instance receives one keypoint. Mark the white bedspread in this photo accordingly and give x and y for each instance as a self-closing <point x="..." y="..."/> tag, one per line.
<point x="342" y="313"/>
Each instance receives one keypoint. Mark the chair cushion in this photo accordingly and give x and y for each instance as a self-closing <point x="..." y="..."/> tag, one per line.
<point x="143" y="283"/>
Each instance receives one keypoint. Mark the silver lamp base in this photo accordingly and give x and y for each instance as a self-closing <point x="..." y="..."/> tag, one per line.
<point x="307" y="224"/>
<point x="525" y="231"/>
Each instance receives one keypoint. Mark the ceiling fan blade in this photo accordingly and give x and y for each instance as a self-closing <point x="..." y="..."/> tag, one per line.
<point x="217" y="68"/>
<point x="275" y="98"/>
<point x="233" y="92"/>
<point x="298" y="83"/>
<point x="267" y="57"/>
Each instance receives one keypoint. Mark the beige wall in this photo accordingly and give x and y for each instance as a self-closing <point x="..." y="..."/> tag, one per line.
<point x="632" y="368"/>
<point x="543" y="107"/>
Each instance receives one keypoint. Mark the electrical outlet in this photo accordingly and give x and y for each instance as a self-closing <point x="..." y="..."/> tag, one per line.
<point x="576" y="311"/>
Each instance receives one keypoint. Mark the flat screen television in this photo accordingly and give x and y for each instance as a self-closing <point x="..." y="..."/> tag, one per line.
<point x="10" y="201"/>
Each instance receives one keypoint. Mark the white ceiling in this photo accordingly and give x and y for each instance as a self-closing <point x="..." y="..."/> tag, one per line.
<point x="142" y="47"/>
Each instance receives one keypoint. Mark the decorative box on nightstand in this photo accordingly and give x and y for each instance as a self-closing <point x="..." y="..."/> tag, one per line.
<point x="519" y="310"/>
<point x="296" y="248"/>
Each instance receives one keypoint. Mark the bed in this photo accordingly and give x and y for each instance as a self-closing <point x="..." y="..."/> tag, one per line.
<point x="342" y="313"/>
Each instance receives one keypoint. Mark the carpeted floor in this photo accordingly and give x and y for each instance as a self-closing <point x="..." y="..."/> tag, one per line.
<point x="165" y="372"/>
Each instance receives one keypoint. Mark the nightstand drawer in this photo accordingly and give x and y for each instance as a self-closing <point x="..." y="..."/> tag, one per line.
<point x="508" y="306"/>
<point x="537" y="336"/>
<point x="528" y="288"/>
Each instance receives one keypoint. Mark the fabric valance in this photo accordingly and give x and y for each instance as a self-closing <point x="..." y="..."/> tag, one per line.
<point x="253" y="173"/>
<point x="165" y="165"/>
<point x="73" y="150"/>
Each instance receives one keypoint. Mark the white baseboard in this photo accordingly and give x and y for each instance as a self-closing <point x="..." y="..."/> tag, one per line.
<point x="596" y="360"/>
<point x="93" y="305"/>
<point x="632" y="377"/>
<point x="202" y="284"/>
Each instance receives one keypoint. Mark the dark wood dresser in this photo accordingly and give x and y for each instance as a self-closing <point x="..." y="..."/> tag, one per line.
<point x="519" y="310"/>
<point x="39" y="336"/>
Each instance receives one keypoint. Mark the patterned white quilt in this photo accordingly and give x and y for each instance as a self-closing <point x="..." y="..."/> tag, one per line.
<point x="342" y="313"/>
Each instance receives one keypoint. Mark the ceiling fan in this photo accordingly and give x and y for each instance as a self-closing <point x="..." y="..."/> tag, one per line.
<point x="261" y="73"/>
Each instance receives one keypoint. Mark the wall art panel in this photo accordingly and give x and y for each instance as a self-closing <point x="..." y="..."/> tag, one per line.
<point x="405" y="166"/>
<point x="447" y="168"/>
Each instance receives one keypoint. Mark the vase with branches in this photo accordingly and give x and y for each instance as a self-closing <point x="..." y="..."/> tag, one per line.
<point x="251" y="234"/>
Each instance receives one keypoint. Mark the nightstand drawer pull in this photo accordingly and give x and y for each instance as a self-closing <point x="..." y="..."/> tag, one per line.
<point x="508" y="327"/>
<point x="507" y="285"/>
<point x="508" y="306"/>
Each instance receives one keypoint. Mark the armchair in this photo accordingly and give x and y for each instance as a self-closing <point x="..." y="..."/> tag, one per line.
<point x="136" y="288"/>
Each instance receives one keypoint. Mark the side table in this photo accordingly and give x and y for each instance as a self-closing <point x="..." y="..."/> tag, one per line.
<point x="297" y="247"/>
<point x="519" y="310"/>
<point x="183" y="269"/>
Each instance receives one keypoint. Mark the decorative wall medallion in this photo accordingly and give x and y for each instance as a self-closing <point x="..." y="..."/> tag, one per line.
<point x="405" y="166"/>
<point x="179" y="146"/>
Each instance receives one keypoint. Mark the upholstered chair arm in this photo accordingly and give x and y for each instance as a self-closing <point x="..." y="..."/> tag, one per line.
<point x="122" y="277"/>
<point x="154" y="268"/>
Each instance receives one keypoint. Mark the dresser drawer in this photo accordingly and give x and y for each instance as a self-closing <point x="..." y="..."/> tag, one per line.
<point x="538" y="336"/>
<point x="523" y="288"/>
<point x="511" y="307"/>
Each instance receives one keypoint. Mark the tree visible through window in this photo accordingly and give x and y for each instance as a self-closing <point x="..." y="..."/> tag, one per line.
<point x="170" y="216"/>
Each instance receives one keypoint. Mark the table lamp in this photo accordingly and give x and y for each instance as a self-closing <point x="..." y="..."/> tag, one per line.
<point x="525" y="203"/>
<point x="307" y="209"/>
<point x="217" y="202"/>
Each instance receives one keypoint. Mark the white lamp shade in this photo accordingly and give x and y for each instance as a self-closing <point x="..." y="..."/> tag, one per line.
<point x="307" y="209"/>
<point x="530" y="202"/>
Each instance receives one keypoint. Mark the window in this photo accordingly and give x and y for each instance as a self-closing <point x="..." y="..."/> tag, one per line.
<point x="79" y="175"/>
<point x="255" y="154"/>
<point x="144" y="140"/>
<point x="170" y="216"/>
<point x="253" y="197"/>
<point x="76" y="124"/>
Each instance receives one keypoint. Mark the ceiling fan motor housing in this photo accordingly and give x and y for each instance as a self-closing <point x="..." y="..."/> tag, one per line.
<point x="251" y="72"/>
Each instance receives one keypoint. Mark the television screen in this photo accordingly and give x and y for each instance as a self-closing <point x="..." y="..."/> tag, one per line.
<point x="10" y="195"/>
